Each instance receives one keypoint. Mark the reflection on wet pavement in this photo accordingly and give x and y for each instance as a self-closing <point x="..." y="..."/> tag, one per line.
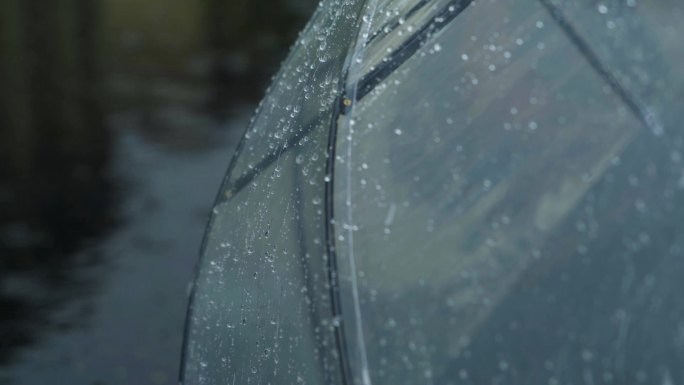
<point x="131" y="332"/>
<point x="117" y="122"/>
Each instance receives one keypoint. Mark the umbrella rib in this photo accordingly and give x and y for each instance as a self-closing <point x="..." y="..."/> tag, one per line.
<point x="642" y="114"/>
<point x="387" y="28"/>
<point x="408" y="48"/>
<point x="246" y="178"/>
<point x="366" y="84"/>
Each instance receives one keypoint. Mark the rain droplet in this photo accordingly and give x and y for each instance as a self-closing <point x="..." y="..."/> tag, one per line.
<point x="463" y="374"/>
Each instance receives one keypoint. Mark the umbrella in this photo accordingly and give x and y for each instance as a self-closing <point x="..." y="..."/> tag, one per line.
<point x="455" y="192"/>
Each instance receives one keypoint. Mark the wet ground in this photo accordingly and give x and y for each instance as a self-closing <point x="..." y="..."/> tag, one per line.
<point x="125" y="326"/>
<point x="118" y="120"/>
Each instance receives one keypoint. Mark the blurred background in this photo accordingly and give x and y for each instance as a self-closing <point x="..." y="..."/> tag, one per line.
<point x="118" y="119"/>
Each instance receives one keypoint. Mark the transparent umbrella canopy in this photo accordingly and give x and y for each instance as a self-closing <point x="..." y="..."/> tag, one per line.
<point x="455" y="192"/>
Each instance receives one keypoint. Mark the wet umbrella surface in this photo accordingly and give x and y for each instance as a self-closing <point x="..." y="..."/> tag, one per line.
<point x="455" y="192"/>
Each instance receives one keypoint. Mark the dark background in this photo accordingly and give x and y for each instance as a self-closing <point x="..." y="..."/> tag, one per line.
<point x="117" y="121"/>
